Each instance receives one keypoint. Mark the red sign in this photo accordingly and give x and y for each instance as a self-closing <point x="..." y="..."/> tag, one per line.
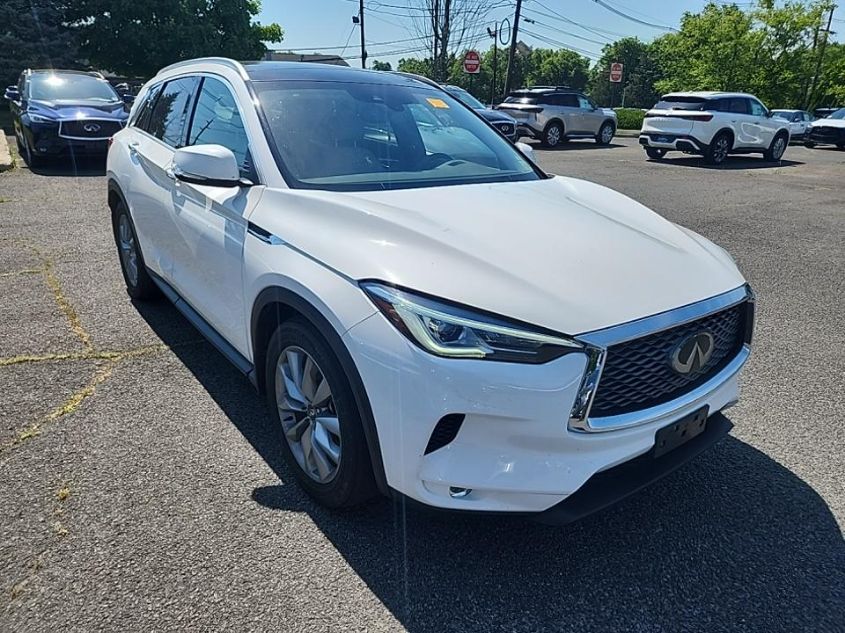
<point x="616" y="72"/>
<point x="472" y="63"/>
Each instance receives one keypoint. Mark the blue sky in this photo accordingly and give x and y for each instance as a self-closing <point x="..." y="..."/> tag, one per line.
<point x="326" y="25"/>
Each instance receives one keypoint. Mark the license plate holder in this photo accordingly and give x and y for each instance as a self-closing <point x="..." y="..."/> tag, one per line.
<point x="662" y="138"/>
<point x="680" y="431"/>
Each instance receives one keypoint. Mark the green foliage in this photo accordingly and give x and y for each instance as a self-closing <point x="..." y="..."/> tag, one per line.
<point x="32" y="36"/>
<point x="377" y="65"/>
<point x="138" y="37"/>
<point x="630" y="118"/>
<point x="416" y="66"/>
<point x="640" y="71"/>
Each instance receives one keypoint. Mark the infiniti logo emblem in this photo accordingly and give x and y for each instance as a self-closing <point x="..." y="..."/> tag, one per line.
<point x="91" y="127"/>
<point x="693" y="353"/>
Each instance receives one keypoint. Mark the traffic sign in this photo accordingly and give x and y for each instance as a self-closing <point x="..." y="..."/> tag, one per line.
<point x="616" y="72"/>
<point x="472" y="63"/>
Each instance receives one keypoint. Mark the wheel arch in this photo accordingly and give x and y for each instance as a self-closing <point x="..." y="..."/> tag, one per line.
<point x="275" y="305"/>
<point x="552" y="121"/>
<point x="729" y="132"/>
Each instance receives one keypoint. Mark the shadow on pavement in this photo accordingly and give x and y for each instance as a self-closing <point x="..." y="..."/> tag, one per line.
<point x="731" y="542"/>
<point x="732" y="162"/>
<point x="65" y="166"/>
<point x="573" y="144"/>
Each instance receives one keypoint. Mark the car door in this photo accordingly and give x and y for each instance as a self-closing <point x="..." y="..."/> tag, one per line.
<point x="764" y="126"/>
<point x="16" y="108"/>
<point x="158" y="133"/>
<point x="212" y="221"/>
<point x="570" y="113"/>
<point x="592" y="117"/>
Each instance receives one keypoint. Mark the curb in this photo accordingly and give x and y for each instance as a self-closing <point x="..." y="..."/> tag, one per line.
<point x="628" y="133"/>
<point x="5" y="155"/>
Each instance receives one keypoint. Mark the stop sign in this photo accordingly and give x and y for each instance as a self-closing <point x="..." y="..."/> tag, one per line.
<point x="472" y="63"/>
<point x="616" y="72"/>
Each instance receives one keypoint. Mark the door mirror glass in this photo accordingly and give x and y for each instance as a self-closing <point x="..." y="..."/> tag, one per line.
<point x="526" y="150"/>
<point x="12" y="93"/>
<point x="128" y="99"/>
<point x="209" y="165"/>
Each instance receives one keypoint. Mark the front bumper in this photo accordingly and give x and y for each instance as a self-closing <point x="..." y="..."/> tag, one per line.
<point x="516" y="449"/>
<point x="827" y="136"/>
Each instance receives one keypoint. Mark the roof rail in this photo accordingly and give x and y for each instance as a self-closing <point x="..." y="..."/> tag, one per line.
<point x="231" y="63"/>
<point x="550" y="88"/>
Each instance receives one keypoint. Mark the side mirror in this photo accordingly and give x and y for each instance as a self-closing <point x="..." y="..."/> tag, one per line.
<point x="208" y="165"/>
<point x="12" y="93"/>
<point x="128" y="99"/>
<point x="526" y="150"/>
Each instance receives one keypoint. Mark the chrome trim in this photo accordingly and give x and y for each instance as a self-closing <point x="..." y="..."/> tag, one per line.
<point x="88" y="138"/>
<point x="644" y="416"/>
<point x="264" y="236"/>
<point x="223" y="61"/>
<point x="598" y="341"/>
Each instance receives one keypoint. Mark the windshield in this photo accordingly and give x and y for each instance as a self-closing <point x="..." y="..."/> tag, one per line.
<point x="364" y="137"/>
<point x="839" y="114"/>
<point x="783" y="114"/>
<point x="467" y="98"/>
<point x="56" y="87"/>
<point x="682" y="102"/>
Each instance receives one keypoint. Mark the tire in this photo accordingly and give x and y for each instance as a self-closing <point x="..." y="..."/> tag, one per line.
<point x="606" y="132"/>
<point x="553" y="135"/>
<point x="776" y="149"/>
<point x="139" y="284"/>
<point x="347" y="481"/>
<point x="655" y="153"/>
<point x="32" y="160"/>
<point x="718" y="149"/>
<point x="809" y="144"/>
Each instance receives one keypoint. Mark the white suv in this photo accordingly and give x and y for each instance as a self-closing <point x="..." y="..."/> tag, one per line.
<point x="713" y="124"/>
<point x="366" y="270"/>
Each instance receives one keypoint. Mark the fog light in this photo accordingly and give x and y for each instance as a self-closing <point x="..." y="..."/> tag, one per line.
<point x="458" y="493"/>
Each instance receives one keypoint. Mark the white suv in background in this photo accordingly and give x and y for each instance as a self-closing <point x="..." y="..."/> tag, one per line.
<point x="427" y="312"/>
<point x="713" y="124"/>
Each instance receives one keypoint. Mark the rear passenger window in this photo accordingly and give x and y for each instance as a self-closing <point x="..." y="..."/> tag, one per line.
<point x="217" y="121"/>
<point x="169" y="117"/>
<point x="738" y="106"/>
<point x="569" y="101"/>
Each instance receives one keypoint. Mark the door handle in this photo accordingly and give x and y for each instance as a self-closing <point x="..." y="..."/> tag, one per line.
<point x="133" y="147"/>
<point x="170" y="173"/>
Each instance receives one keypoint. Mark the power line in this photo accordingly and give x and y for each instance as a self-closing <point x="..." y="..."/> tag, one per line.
<point x="612" y="9"/>
<point x="591" y="29"/>
<point x="553" y="42"/>
<point x="558" y="30"/>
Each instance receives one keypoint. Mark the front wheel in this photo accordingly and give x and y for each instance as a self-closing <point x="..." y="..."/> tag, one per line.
<point x="655" y="153"/>
<point x="139" y="284"/>
<point x="310" y="395"/>
<point x="553" y="135"/>
<point x="718" y="150"/>
<point x="776" y="149"/>
<point x="605" y="134"/>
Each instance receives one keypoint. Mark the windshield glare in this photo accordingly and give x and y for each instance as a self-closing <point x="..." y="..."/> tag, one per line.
<point x="467" y="98"/>
<point x="362" y="137"/>
<point x="56" y="87"/>
<point x="839" y="114"/>
<point x="680" y="103"/>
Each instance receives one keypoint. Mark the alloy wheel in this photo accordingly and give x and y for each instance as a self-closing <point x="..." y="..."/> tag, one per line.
<point x="720" y="152"/>
<point x="553" y="136"/>
<point x="779" y="148"/>
<point x="606" y="134"/>
<point x="307" y="412"/>
<point x="128" y="252"/>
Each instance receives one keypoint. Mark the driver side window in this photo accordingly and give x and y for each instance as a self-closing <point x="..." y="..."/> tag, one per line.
<point x="584" y="103"/>
<point x="757" y="108"/>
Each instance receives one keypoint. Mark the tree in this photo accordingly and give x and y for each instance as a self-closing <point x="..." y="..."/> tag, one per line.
<point x="560" y="67"/>
<point x="138" y="37"/>
<point x="640" y="71"/>
<point x="32" y="36"/>
<point x="377" y="65"/>
<point x="446" y="25"/>
<point x="416" y="66"/>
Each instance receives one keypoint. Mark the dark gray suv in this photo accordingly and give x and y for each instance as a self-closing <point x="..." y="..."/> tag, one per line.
<point x="555" y="114"/>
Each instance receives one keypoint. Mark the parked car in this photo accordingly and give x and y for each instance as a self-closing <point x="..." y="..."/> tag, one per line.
<point x="799" y="122"/>
<point x="821" y="113"/>
<point x="713" y="124"/>
<point x="828" y="131"/>
<point x="556" y="114"/>
<point x="505" y="123"/>
<point x="462" y="329"/>
<point x="57" y="112"/>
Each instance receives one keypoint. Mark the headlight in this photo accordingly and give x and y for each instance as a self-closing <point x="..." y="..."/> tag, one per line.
<point x="453" y="331"/>
<point x="39" y="118"/>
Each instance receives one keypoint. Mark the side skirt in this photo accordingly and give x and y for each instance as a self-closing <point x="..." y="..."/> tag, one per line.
<point x="222" y="345"/>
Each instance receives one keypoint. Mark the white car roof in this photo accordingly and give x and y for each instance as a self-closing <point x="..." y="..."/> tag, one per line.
<point x="708" y="94"/>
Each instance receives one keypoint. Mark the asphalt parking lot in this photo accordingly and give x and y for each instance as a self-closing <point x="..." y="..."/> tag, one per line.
<point x="141" y="487"/>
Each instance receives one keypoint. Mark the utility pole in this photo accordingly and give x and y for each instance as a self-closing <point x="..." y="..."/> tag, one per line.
<point x="494" y="33"/>
<point x="361" y="24"/>
<point x="512" y="50"/>
<point x="820" y="60"/>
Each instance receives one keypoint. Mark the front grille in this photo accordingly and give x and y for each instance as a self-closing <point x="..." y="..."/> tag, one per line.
<point x="638" y="374"/>
<point x="96" y="129"/>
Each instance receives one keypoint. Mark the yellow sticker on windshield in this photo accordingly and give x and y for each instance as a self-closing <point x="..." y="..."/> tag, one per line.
<point x="437" y="103"/>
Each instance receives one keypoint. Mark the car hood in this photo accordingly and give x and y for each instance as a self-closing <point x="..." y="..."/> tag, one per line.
<point x="79" y="109"/>
<point x="840" y="123"/>
<point x="495" y="116"/>
<point x="560" y="253"/>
